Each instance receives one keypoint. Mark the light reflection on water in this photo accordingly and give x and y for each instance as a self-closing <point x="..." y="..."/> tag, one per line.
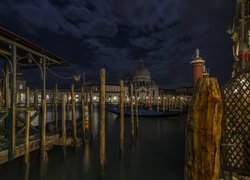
<point x="158" y="153"/>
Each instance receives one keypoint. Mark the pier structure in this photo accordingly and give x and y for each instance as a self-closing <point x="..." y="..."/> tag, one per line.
<point x="18" y="55"/>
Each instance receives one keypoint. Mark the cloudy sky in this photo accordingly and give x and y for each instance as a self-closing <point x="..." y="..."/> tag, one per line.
<point x="115" y="33"/>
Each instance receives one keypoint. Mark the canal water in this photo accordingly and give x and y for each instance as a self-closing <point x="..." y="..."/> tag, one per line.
<point x="157" y="154"/>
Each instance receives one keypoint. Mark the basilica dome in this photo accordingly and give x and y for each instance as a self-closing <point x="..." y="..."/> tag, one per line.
<point x="141" y="71"/>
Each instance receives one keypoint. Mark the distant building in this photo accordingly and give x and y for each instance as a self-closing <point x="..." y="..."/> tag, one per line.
<point x="143" y="84"/>
<point x="240" y="34"/>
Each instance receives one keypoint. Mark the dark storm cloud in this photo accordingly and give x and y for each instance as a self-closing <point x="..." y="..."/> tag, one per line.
<point x="115" y="33"/>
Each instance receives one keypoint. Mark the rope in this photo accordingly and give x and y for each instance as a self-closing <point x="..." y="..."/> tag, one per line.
<point x="61" y="77"/>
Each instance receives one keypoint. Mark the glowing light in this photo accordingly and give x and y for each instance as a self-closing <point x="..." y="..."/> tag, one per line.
<point x="115" y="98"/>
<point x="147" y="97"/>
<point x="94" y="98"/>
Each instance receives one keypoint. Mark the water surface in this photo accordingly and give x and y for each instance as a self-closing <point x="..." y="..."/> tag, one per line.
<point x="158" y="153"/>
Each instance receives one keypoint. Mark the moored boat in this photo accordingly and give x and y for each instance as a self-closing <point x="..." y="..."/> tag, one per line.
<point x="142" y="112"/>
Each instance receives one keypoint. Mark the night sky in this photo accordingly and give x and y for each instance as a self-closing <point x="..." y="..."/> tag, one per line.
<point x="115" y="34"/>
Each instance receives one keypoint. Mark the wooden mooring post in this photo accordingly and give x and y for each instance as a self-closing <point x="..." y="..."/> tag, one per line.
<point x="91" y="111"/>
<point x="102" y="121"/>
<point x="64" y="130"/>
<point x="203" y="132"/>
<point x="44" y="155"/>
<point x="82" y="112"/>
<point x="73" y="102"/>
<point x="121" y="116"/>
<point x="27" y="131"/>
<point x="86" y="118"/>
<point x="55" y="106"/>
<point x="136" y="113"/>
<point x="132" y="112"/>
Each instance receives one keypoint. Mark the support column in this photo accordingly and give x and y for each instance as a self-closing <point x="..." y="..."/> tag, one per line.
<point x="13" y="104"/>
<point x="55" y="106"/>
<point x="7" y="85"/>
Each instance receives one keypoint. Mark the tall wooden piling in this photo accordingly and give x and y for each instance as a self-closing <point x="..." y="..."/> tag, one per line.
<point x="55" y="106"/>
<point x="74" y="114"/>
<point x="102" y="120"/>
<point x="136" y="113"/>
<point x="121" y="116"/>
<point x="82" y="112"/>
<point x="203" y="132"/>
<point x="91" y="112"/>
<point x="44" y="156"/>
<point x="68" y="106"/>
<point x="132" y="111"/>
<point x="27" y="130"/>
<point x="64" y="132"/>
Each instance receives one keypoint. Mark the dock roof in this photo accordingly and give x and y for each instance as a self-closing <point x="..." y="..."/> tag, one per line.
<point x="26" y="50"/>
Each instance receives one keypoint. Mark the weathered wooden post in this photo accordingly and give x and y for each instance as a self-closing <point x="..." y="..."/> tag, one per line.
<point x="102" y="120"/>
<point x="132" y="112"/>
<point x="121" y="116"/>
<point x="68" y="106"/>
<point x="136" y="113"/>
<point x="203" y="132"/>
<point x="86" y="117"/>
<point x="27" y="130"/>
<point x="64" y="132"/>
<point x="74" y="114"/>
<point x="83" y="113"/>
<point x="55" y="106"/>
<point x="44" y="156"/>
<point x="91" y="112"/>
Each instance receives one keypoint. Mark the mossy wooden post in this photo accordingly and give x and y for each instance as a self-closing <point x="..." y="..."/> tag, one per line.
<point x="73" y="114"/>
<point x="55" y="106"/>
<point x="64" y="132"/>
<point x="27" y="130"/>
<point x="83" y="113"/>
<point x="136" y="113"/>
<point x="132" y="112"/>
<point x="102" y="120"/>
<point x="203" y="132"/>
<point x="121" y="116"/>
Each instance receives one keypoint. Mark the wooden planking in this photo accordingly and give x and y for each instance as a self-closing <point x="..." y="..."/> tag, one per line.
<point x="33" y="145"/>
